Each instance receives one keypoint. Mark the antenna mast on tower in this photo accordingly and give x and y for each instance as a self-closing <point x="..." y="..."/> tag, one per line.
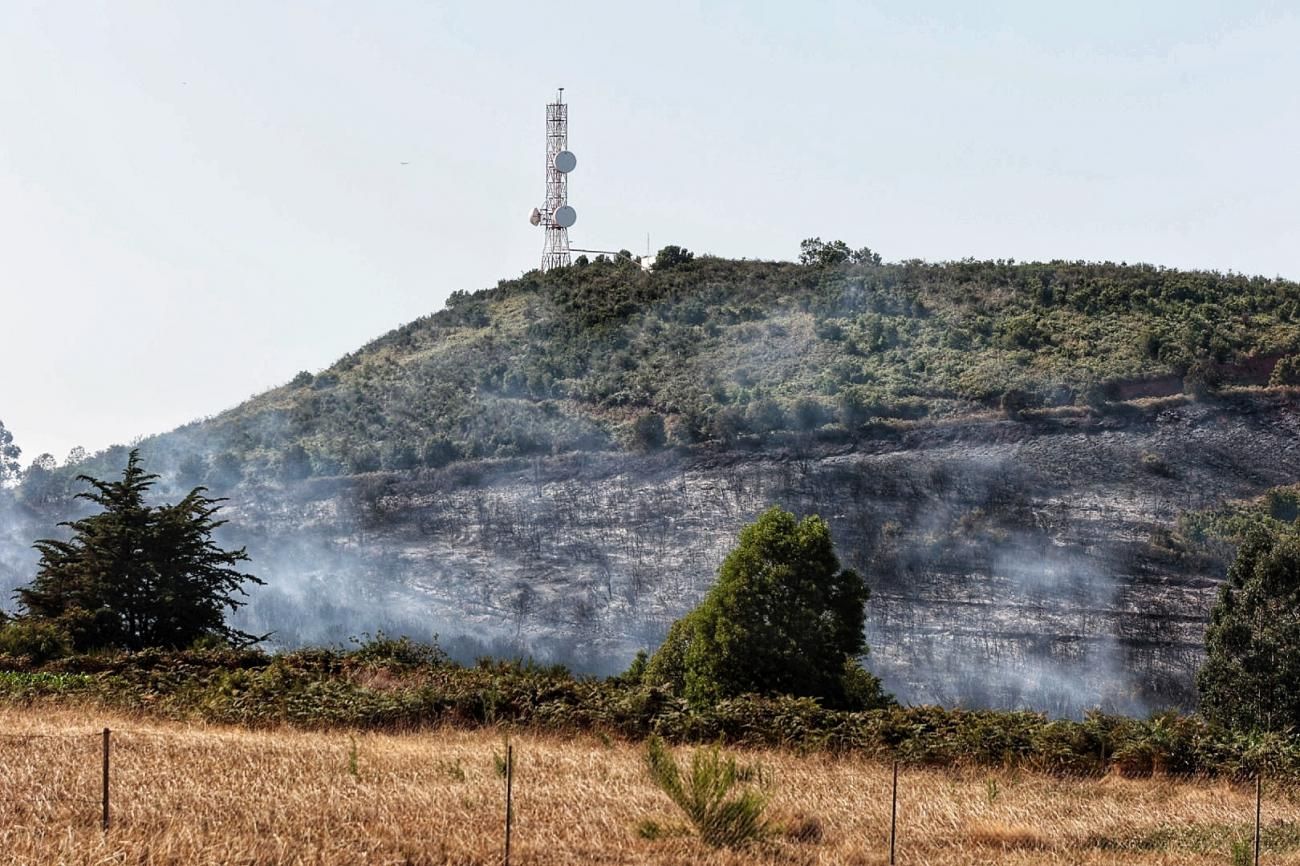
<point x="555" y="216"/>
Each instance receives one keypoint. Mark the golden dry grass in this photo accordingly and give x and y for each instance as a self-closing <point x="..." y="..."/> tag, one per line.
<point x="212" y="795"/>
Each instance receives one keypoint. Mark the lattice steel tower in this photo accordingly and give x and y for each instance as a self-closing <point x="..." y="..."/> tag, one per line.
<point x="556" y="216"/>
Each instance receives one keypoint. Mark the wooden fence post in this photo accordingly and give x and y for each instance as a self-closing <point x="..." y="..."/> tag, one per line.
<point x="893" y="814"/>
<point x="104" y="817"/>
<point x="1259" y="792"/>
<point x="510" y="773"/>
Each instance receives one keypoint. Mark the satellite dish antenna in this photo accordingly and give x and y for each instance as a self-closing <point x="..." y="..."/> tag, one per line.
<point x="565" y="161"/>
<point x="565" y="217"/>
<point x="536" y="217"/>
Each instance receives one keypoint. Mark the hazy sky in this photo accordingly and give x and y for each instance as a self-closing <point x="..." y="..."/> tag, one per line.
<point x="197" y="200"/>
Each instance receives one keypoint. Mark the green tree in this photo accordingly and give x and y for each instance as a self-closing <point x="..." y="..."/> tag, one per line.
<point x="9" y="454"/>
<point x="783" y="618"/>
<point x="134" y="575"/>
<point x="41" y="484"/>
<point x="672" y="256"/>
<point x="815" y="251"/>
<point x="1251" y="675"/>
<point x="865" y="256"/>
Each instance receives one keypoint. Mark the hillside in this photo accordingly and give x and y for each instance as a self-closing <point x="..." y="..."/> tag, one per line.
<point x="558" y="464"/>
<point x="726" y="351"/>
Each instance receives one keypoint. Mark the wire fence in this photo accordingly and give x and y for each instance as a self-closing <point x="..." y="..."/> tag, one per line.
<point x="109" y="739"/>
<point x="111" y="745"/>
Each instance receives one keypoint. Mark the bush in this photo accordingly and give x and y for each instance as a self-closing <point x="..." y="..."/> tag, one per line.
<point x="1014" y="403"/>
<point x="1286" y="372"/>
<point x="1201" y="379"/>
<point x="648" y="432"/>
<point x="295" y="463"/>
<point x="402" y="651"/>
<point x="36" y="641"/>
<point x="720" y="818"/>
<point x="1155" y="464"/>
<point x="809" y="414"/>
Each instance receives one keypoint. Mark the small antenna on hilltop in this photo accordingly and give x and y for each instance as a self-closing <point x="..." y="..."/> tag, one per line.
<point x="556" y="216"/>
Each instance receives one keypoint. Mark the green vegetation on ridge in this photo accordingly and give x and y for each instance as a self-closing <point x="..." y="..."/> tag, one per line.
<point x="716" y="350"/>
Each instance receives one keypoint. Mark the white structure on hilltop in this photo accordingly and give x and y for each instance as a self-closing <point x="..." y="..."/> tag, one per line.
<point x="556" y="216"/>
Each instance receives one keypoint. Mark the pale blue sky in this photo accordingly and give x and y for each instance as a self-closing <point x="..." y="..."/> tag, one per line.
<point x="199" y="199"/>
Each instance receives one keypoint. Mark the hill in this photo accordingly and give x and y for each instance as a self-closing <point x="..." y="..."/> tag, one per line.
<point x="727" y="351"/>
<point x="557" y="465"/>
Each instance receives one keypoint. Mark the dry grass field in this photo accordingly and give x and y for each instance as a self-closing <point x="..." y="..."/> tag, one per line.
<point x="210" y="795"/>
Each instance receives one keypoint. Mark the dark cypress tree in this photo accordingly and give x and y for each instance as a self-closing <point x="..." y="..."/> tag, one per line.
<point x="134" y="575"/>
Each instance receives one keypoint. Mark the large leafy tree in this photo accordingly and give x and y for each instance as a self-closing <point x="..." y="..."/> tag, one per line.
<point x="135" y="575"/>
<point x="783" y="618"/>
<point x="1251" y="675"/>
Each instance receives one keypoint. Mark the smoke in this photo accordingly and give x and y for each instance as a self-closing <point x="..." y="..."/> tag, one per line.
<point x="1010" y="563"/>
<point x="991" y="588"/>
<point x="17" y="559"/>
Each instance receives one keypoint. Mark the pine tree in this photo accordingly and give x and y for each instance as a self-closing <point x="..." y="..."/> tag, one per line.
<point x="134" y="575"/>
<point x="1251" y="675"/>
<point x="783" y="618"/>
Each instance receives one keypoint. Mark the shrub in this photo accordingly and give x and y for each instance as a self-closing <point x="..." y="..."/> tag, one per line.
<point x="862" y="688"/>
<point x="438" y="451"/>
<point x="1097" y="395"/>
<point x="402" y="651"/>
<point x="855" y="409"/>
<point x="721" y="818"/>
<point x="727" y="425"/>
<point x="295" y="463"/>
<point x="35" y="640"/>
<point x="1286" y="371"/>
<point x="809" y="414"/>
<point x="648" y="432"/>
<point x="364" y="459"/>
<point x="1155" y="464"/>
<point x="1201" y="379"/>
<point x="1014" y="402"/>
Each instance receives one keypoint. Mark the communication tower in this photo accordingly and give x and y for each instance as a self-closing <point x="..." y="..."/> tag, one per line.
<point x="556" y="217"/>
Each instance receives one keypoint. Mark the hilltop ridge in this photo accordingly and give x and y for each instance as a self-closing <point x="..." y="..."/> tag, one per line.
<point x="604" y="356"/>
